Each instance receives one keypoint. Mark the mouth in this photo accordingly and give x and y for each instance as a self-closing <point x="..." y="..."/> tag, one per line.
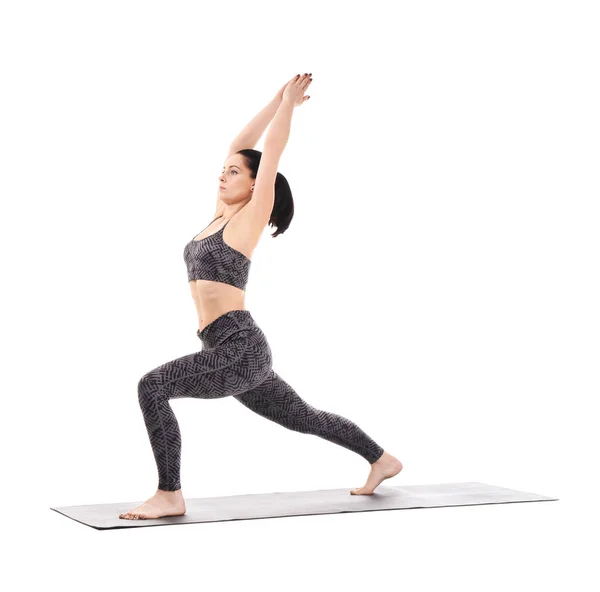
<point x="222" y="188"/>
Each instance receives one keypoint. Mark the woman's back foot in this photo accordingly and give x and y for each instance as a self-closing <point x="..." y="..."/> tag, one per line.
<point x="386" y="467"/>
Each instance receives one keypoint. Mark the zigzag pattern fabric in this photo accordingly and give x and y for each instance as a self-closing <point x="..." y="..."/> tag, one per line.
<point x="211" y="258"/>
<point x="235" y="361"/>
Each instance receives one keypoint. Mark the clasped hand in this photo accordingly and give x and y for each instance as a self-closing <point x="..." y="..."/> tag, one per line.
<point x="293" y="91"/>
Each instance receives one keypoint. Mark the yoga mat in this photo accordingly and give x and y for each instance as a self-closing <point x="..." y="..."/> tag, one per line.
<point x="305" y="503"/>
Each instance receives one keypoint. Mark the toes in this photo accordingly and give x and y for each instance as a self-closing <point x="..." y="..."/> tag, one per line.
<point x="128" y="516"/>
<point x="132" y="516"/>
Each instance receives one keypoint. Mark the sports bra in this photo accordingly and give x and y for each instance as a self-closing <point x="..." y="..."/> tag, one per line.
<point x="211" y="258"/>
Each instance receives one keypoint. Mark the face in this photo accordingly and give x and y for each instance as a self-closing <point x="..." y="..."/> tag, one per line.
<point x="235" y="182"/>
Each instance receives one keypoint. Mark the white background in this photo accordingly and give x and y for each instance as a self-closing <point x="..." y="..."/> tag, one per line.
<point x="438" y="284"/>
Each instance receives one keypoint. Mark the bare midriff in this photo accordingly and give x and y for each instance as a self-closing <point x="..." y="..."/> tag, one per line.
<point x="213" y="299"/>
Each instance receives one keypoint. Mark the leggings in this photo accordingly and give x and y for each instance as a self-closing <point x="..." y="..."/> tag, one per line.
<point x="235" y="361"/>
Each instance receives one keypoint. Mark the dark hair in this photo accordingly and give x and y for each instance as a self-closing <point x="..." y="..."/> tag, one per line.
<point x="283" y="208"/>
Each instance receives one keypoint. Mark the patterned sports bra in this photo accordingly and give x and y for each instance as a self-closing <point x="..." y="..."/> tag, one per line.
<point x="211" y="258"/>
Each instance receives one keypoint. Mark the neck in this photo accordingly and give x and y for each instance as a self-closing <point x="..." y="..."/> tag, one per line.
<point x="229" y="211"/>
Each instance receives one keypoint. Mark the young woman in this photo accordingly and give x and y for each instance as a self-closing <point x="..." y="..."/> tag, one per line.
<point x="235" y="359"/>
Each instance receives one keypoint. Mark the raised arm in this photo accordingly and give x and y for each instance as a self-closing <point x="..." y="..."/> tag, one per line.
<point x="263" y="196"/>
<point x="249" y="136"/>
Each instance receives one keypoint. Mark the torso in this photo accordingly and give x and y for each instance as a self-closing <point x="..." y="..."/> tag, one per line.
<point x="213" y="299"/>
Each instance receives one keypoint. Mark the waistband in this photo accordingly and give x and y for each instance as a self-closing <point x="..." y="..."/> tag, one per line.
<point x="223" y="327"/>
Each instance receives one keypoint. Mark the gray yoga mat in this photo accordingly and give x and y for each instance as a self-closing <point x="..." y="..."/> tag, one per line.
<point x="306" y="503"/>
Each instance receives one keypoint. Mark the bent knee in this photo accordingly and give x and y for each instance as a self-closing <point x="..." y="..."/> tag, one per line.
<point x="147" y="388"/>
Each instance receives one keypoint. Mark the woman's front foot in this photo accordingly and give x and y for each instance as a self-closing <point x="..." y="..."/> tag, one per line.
<point x="385" y="467"/>
<point x="162" y="503"/>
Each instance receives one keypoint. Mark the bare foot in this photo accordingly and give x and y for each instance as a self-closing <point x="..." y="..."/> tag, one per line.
<point x="162" y="503"/>
<point x="387" y="466"/>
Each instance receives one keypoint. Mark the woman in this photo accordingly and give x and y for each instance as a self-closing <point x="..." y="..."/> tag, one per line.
<point x="235" y="359"/>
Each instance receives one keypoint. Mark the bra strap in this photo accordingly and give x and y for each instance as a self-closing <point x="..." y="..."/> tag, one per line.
<point x="209" y="224"/>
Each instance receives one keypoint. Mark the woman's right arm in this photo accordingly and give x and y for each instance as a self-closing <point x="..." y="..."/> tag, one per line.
<point x="263" y="197"/>
<point x="279" y="131"/>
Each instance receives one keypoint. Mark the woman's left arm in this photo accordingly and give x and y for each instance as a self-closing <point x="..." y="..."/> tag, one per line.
<point x="249" y="136"/>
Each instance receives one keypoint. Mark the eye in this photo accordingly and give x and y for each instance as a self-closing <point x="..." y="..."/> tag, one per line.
<point x="234" y="172"/>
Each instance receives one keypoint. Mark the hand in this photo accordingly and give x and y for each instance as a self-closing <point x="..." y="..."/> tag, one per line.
<point x="294" y="90"/>
<point x="279" y="94"/>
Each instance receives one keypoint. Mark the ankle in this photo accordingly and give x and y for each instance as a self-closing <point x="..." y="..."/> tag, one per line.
<point x="384" y="457"/>
<point x="166" y="493"/>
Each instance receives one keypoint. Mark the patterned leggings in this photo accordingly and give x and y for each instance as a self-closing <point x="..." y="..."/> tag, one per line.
<point x="235" y="360"/>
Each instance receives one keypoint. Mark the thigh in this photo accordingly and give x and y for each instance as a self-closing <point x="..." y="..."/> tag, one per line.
<point x="276" y="400"/>
<point x="233" y="367"/>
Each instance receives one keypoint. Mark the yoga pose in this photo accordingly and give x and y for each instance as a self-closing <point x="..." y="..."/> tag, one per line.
<point x="235" y="359"/>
